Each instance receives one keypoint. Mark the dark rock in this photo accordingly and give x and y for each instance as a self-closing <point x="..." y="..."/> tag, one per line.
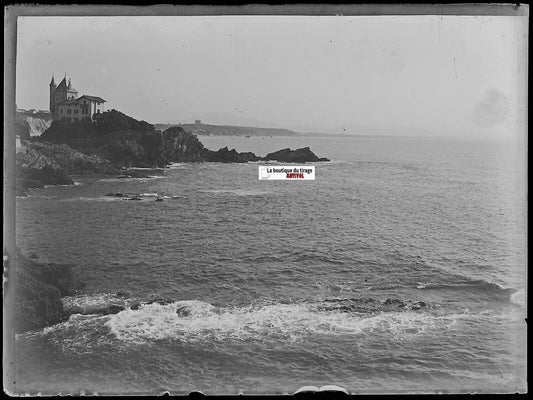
<point x="38" y="293"/>
<point x="135" y="306"/>
<point x="76" y="310"/>
<point x="299" y="155"/>
<point x="393" y="304"/>
<point x="123" y="293"/>
<point x="110" y="309"/>
<point x="160" y="300"/>
<point x="229" y="156"/>
<point x="159" y="199"/>
<point x="183" y="311"/>
<point x="30" y="178"/>
<point x="418" y="305"/>
<point x="134" y="198"/>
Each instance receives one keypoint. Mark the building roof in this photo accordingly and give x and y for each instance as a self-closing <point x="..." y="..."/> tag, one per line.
<point x="69" y="102"/>
<point x="93" y="98"/>
<point x="76" y="101"/>
<point x="63" y="83"/>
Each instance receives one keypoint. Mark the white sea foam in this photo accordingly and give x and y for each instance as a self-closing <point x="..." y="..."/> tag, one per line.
<point x="103" y="198"/>
<point x="144" y="179"/>
<point x="238" y="192"/>
<point x="85" y="300"/>
<point x="519" y="298"/>
<point x="177" y="165"/>
<point x="424" y="285"/>
<point x="148" y="195"/>
<point x="200" y="321"/>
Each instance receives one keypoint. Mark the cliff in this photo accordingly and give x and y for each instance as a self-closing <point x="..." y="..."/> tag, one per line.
<point x="114" y="141"/>
<point x="40" y="164"/>
<point x="38" y="293"/>
<point x="31" y="123"/>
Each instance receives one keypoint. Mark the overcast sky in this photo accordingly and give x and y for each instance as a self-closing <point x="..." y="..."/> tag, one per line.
<point x="428" y="75"/>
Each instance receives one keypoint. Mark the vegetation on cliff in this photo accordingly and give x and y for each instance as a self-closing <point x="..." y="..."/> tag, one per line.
<point x="113" y="121"/>
<point x="101" y="125"/>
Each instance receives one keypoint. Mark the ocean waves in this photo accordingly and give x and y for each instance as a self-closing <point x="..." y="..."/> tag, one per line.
<point x="479" y="287"/>
<point x="193" y="321"/>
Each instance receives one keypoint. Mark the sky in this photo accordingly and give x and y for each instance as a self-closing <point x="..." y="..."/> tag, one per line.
<point x="421" y="75"/>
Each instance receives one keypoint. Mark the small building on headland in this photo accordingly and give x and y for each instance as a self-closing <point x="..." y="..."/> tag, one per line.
<point x="197" y="121"/>
<point x="66" y="106"/>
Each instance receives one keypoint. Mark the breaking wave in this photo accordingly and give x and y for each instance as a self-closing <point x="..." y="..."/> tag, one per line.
<point x="482" y="287"/>
<point x="194" y="320"/>
<point x="519" y="298"/>
<point x="237" y="192"/>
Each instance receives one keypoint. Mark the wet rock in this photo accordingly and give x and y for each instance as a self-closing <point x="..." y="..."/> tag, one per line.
<point x="38" y="291"/>
<point x="183" y="311"/>
<point x="136" y="305"/>
<point x="159" y="199"/>
<point x="136" y="198"/>
<point x="229" y="156"/>
<point x="418" y="305"/>
<point x="393" y="304"/>
<point x="110" y="309"/>
<point x="160" y="300"/>
<point x="76" y="310"/>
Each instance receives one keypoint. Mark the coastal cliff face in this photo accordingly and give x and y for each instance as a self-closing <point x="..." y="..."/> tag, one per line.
<point x="32" y="123"/>
<point x="179" y="145"/>
<point x="61" y="157"/>
<point x="40" y="287"/>
<point x="40" y="164"/>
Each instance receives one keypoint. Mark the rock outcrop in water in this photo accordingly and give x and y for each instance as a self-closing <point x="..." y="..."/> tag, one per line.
<point x="40" y="287"/>
<point x="370" y="305"/>
<point x="294" y="156"/>
<point x="224" y="155"/>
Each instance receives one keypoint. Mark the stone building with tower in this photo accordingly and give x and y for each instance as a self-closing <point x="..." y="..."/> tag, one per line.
<point x="66" y="106"/>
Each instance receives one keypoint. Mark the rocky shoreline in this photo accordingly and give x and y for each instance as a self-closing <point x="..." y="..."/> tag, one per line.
<point x="40" y="288"/>
<point x="41" y="163"/>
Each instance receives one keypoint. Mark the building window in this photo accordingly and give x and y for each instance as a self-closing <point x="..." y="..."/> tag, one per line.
<point x="61" y="111"/>
<point x="75" y="111"/>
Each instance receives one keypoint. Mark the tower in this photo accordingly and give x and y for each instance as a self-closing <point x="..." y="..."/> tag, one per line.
<point x="53" y="87"/>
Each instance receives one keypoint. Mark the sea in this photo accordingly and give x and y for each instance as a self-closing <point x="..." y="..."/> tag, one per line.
<point x="400" y="269"/>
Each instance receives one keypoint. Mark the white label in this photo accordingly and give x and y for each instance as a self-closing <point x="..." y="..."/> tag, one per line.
<point x="289" y="173"/>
